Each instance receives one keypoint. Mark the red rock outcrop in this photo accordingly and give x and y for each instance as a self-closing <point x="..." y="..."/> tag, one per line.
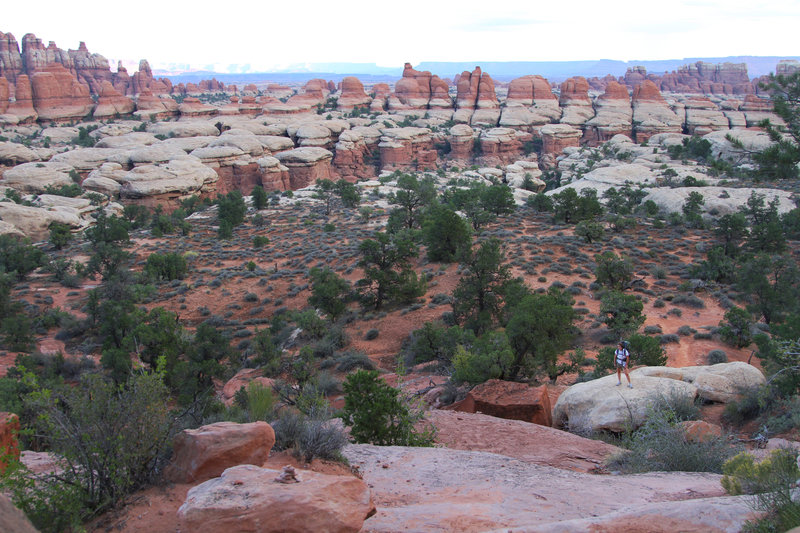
<point x="148" y="105"/>
<point x="530" y="102"/>
<point x="204" y="453"/>
<point x="22" y="107"/>
<point x="556" y="137"/>
<point x="111" y="103"/>
<point x="353" y="158"/>
<point x="314" y="92"/>
<point x="90" y="69"/>
<point x="462" y="140"/>
<point x="193" y="107"/>
<point x="476" y="99"/>
<point x="412" y="91"/>
<point x="9" y="443"/>
<point x="652" y="114"/>
<point x="575" y="102"/>
<point x="500" y="146"/>
<point x="380" y="95"/>
<point x="507" y="399"/>
<point x="306" y="165"/>
<point x="10" y="58"/>
<point x="143" y="80"/>
<point x="5" y="93"/>
<point x="407" y="148"/>
<point x="58" y="96"/>
<point x="614" y="115"/>
<point x="352" y="94"/>
<point x="274" y="175"/>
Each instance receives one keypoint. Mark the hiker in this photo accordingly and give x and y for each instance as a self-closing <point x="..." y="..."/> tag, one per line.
<point x="621" y="358"/>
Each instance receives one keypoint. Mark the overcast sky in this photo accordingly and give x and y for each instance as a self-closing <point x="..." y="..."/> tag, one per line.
<point x="253" y="36"/>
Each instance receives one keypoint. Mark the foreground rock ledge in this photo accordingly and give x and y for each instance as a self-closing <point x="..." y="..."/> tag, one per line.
<point x="246" y="498"/>
<point x="438" y="490"/>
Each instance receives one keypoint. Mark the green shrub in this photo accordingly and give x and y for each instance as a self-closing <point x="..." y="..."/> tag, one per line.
<point x="378" y="414"/>
<point x="660" y="444"/>
<point x="771" y="482"/>
<point x="309" y="436"/>
<point x="166" y="267"/>
<point x="260" y="241"/>
<point x="260" y="401"/>
<point x="717" y="356"/>
<point x="112" y="440"/>
<point x="646" y="350"/>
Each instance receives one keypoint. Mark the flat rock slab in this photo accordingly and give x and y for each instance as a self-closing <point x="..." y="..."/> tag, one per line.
<point x="438" y="489"/>
<point x="521" y="440"/>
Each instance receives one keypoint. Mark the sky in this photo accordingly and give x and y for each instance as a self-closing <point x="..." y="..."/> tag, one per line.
<point x="264" y="35"/>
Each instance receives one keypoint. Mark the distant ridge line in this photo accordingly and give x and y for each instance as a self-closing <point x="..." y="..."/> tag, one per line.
<point x="554" y="71"/>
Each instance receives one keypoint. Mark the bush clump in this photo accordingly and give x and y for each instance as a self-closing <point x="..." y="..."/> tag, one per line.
<point x="660" y="444"/>
<point x="378" y="413"/>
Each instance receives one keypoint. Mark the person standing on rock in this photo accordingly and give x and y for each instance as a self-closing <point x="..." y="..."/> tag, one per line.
<point x="621" y="358"/>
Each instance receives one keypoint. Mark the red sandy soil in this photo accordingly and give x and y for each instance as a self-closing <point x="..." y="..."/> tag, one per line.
<point x="154" y="509"/>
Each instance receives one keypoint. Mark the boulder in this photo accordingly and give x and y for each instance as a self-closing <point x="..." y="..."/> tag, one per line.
<point x="34" y="178"/>
<point x="14" y="153"/>
<point x="34" y="222"/>
<point x="720" y="200"/>
<point x="499" y="145"/>
<point x="600" y="405"/>
<point x="87" y="159"/>
<point x="204" y="453"/>
<point x="703" y="116"/>
<point x="184" y="128"/>
<point x="134" y="139"/>
<point x="247" y="498"/>
<point x="700" y="430"/>
<point x="723" y="382"/>
<point x="193" y="107"/>
<point x="150" y="106"/>
<point x="12" y="519"/>
<point x="526" y="441"/>
<point x="168" y="184"/>
<point x="508" y="399"/>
